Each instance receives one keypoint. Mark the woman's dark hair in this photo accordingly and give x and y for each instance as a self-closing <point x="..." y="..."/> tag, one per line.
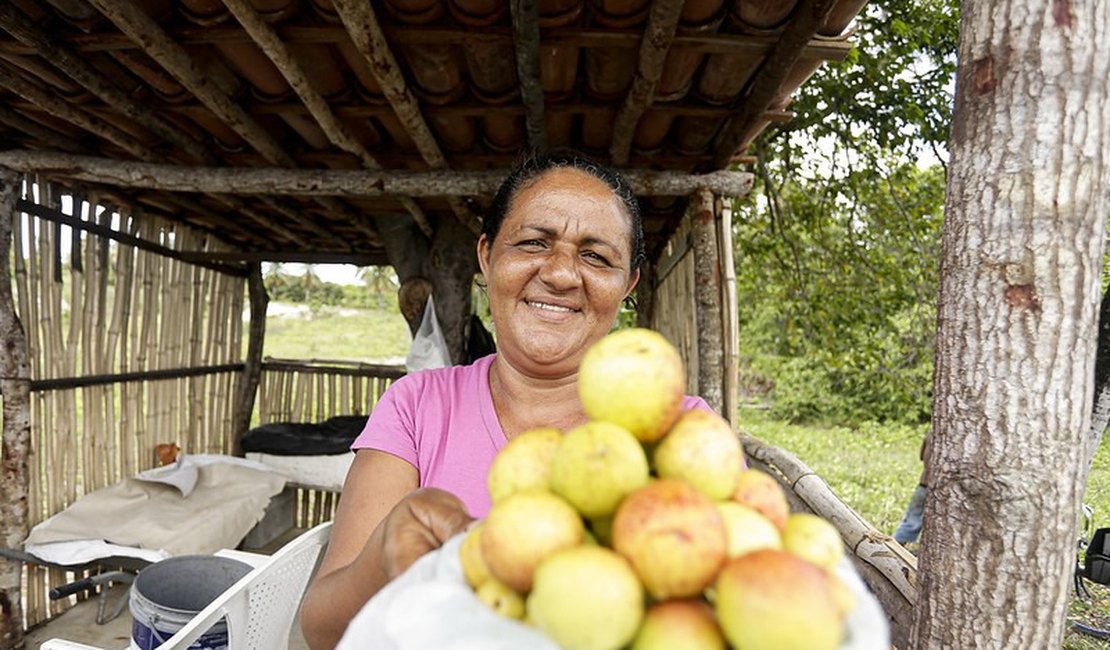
<point x="535" y="165"/>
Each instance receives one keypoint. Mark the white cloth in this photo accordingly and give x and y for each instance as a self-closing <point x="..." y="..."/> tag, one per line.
<point x="431" y="606"/>
<point x="199" y="505"/>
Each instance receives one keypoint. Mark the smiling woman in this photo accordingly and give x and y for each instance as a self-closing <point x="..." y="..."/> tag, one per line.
<point x="560" y="250"/>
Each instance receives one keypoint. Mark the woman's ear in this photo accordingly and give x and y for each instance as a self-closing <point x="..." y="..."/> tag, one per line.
<point x="632" y="282"/>
<point x="483" y="253"/>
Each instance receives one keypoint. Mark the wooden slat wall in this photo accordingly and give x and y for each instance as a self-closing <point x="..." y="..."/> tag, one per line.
<point x="674" y="314"/>
<point x="120" y="310"/>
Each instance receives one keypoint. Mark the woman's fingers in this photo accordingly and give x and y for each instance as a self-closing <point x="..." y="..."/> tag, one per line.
<point x="420" y="523"/>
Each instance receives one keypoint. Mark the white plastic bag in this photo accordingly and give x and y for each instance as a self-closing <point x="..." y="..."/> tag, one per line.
<point x="431" y="606"/>
<point x="429" y="348"/>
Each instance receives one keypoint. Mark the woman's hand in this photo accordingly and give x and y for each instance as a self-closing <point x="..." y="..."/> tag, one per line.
<point x="419" y="523"/>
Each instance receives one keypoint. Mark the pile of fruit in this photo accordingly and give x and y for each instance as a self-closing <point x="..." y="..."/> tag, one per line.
<point x="644" y="528"/>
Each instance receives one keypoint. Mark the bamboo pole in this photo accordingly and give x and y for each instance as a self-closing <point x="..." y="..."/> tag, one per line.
<point x="526" y="45"/>
<point x="730" y="314"/>
<point x="336" y="182"/>
<point x="15" y="448"/>
<point x="660" y="31"/>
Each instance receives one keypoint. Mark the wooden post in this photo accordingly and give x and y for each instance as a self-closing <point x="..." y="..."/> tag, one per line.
<point x="252" y="372"/>
<point x="707" y="299"/>
<point x="15" y="449"/>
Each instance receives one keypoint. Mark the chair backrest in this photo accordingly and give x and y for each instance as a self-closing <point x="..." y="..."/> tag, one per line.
<point x="260" y="608"/>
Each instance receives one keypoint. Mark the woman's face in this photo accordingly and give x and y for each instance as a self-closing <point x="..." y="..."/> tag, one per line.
<point x="557" y="271"/>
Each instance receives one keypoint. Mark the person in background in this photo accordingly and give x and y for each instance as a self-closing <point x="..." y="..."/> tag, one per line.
<point x="909" y="529"/>
<point x="560" y="250"/>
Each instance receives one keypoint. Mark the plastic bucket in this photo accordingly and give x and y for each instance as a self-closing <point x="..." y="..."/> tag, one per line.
<point x="168" y="594"/>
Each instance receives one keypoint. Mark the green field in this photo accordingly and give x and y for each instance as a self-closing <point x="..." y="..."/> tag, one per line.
<point x="337" y="334"/>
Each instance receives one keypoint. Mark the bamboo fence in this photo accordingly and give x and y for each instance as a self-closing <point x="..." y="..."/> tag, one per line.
<point x="313" y="391"/>
<point x="109" y="308"/>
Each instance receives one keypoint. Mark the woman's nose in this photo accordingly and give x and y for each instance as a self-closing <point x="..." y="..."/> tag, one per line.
<point x="560" y="270"/>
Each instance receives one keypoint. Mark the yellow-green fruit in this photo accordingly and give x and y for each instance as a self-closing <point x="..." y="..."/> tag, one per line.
<point x="501" y="598"/>
<point x="522" y="530"/>
<point x="814" y="539"/>
<point x="596" y="465"/>
<point x="762" y="493"/>
<point x="674" y="537"/>
<point x="774" y="600"/>
<point x="634" y="378"/>
<point x="586" y="598"/>
<point x="679" y="625"/>
<point x="701" y="449"/>
<point x="747" y="529"/>
<point x="470" y="556"/>
<point x="602" y="528"/>
<point x="523" y="464"/>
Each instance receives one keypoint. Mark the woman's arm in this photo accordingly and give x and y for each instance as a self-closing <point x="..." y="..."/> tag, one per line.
<point x="383" y="525"/>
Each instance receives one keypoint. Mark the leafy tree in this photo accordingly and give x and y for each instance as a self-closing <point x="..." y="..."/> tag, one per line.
<point x="837" y="255"/>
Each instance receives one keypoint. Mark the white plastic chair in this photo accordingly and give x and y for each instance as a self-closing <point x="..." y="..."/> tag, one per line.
<point x="260" y="607"/>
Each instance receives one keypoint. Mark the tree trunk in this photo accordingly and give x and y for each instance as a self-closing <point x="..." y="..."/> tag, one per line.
<point x="707" y="300"/>
<point x="1021" y="265"/>
<point x="252" y="370"/>
<point x="15" y="447"/>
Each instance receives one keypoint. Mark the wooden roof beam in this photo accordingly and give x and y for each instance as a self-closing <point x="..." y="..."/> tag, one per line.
<point x="660" y="31"/>
<point x="78" y="68"/>
<point x="338" y="134"/>
<point x="526" y="44"/>
<point x="153" y="39"/>
<point x="808" y="17"/>
<point x="54" y="104"/>
<point x="276" y="181"/>
<point x="366" y="34"/>
<point x="37" y="131"/>
<point x="158" y="44"/>
<point x="702" y="43"/>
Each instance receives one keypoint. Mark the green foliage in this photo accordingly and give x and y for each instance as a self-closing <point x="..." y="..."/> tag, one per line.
<point x="838" y="249"/>
<point x="378" y="290"/>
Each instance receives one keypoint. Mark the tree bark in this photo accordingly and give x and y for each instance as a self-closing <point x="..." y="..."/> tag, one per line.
<point x="707" y="299"/>
<point x="15" y="449"/>
<point x="252" y="370"/>
<point x="1022" y="246"/>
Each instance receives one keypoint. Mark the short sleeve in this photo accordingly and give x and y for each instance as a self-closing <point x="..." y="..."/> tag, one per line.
<point x="391" y="426"/>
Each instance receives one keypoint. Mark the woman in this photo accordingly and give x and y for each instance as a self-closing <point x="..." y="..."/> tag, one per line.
<point x="560" y="250"/>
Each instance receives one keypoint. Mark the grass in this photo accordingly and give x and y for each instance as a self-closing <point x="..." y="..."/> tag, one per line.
<point x="334" y="334"/>
<point x="874" y="468"/>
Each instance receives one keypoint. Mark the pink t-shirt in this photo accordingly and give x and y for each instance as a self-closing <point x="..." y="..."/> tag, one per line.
<point x="443" y="423"/>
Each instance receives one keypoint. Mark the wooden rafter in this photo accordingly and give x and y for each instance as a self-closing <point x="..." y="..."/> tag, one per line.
<point x="526" y="44"/>
<point x="52" y="103"/>
<point x="660" y="31"/>
<point x="809" y="16"/>
<point x="160" y="46"/>
<point x="714" y="43"/>
<point x="57" y="216"/>
<point x="37" y="131"/>
<point x="366" y="34"/>
<point x="333" y="182"/>
<point x="78" y="68"/>
<point x="338" y="134"/>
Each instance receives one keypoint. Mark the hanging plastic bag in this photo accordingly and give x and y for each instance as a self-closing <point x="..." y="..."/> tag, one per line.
<point x="429" y="348"/>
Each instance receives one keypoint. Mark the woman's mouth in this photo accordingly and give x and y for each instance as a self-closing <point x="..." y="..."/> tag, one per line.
<point x="549" y="307"/>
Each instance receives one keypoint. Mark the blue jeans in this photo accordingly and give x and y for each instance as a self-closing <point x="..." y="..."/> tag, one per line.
<point x="910" y="527"/>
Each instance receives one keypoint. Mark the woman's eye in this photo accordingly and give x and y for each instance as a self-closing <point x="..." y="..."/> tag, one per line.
<point x="596" y="258"/>
<point x="531" y="243"/>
